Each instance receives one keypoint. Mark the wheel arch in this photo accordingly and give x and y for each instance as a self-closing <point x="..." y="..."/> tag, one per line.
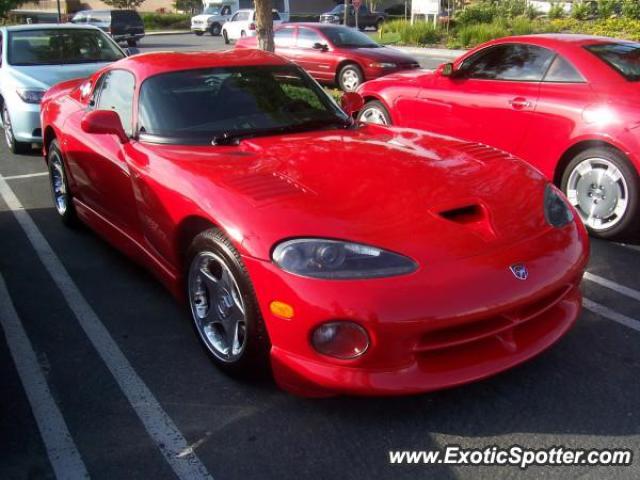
<point x="189" y="228"/>
<point x="575" y="149"/>
<point x="369" y="97"/>
<point x="48" y="136"/>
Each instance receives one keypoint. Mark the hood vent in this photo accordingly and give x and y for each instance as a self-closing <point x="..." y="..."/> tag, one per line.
<point x="475" y="217"/>
<point x="264" y="187"/>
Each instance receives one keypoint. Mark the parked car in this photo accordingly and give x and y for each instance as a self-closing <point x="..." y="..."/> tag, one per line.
<point x="366" y="18"/>
<point x="336" y="253"/>
<point x="212" y="19"/>
<point x="567" y="104"/>
<point x="34" y="57"/>
<point x="122" y="25"/>
<point x="243" y="24"/>
<point x="336" y="54"/>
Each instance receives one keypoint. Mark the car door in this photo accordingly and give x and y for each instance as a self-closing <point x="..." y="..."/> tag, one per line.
<point x="285" y="42"/>
<point x="98" y="161"/>
<point x="234" y="26"/>
<point x="319" y="62"/>
<point x="490" y="98"/>
<point x="563" y="97"/>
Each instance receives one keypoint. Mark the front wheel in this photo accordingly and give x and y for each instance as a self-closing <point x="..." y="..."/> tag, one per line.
<point x="604" y="188"/>
<point x="225" y="36"/>
<point x="374" y="112"/>
<point x="198" y="33"/>
<point x="224" y="308"/>
<point x="350" y="77"/>
<point x="62" y="199"/>
<point x="215" y="29"/>
<point x="14" y="145"/>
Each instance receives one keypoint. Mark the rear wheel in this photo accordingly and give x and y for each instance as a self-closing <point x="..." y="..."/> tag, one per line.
<point x="225" y="35"/>
<point x="215" y="29"/>
<point x="374" y="112"/>
<point x="14" y="145"/>
<point x="350" y="77"/>
<point x="62" y="199"/>
<point x="604" y="188"/>
<point x="223" y="305"/>
<point x="132" y="43"/>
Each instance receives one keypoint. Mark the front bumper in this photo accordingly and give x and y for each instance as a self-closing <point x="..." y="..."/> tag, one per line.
<point x="447" y="324"/>
<point x="25" y="121"/>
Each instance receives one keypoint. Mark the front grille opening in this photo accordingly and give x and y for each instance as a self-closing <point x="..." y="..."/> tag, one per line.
<point x="464" y="215"/>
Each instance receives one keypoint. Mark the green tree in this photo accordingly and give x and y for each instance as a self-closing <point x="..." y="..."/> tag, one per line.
<point x="7" y="5"/>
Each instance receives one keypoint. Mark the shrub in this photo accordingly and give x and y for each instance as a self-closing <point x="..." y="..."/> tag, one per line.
<point x="522" y="26"/>
<point x="606" y="8"/>
<point x="631" y="9"/>
<point x="556" y="11"/>
<point x="166" y="21"/>
<point x="471" y="35"/>
<point x="478" y="13"/>
<point x="420" y="33"/>
<point x="580" y="11"/>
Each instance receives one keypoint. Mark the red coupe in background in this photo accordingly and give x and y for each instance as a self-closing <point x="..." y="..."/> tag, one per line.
<point x="348" y="258"/>
<point x="336" y="54"/>
<point x="567" y="104"/>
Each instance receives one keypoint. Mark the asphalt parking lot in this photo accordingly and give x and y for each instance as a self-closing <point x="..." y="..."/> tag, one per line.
<point x="117" y="355"/>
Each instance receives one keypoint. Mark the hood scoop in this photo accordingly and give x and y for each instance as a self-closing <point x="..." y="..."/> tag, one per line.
<point x="474" y="217"/>
<point x="266" y="186"/>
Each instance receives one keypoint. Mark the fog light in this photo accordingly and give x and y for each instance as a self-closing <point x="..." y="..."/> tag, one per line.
<point x="344" y="340"/>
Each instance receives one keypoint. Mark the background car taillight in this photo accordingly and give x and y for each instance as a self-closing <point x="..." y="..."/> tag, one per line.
<point x="344" y="340"/>
<point x="252" y="26"/>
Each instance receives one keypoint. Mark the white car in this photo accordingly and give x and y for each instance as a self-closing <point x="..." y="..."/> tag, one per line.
<point x="212" y="18"/>
<point x="243" y="24"/>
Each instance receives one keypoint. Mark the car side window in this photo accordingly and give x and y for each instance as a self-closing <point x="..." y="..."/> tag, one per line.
<point x="116" y="93"/>
<point x="509" y="62"/>
<point x="307" y="38"/>
<point x="276" y="16"/>
<point x="284" y="37"/>
<point x="561" y="71"/>
<point x="234" y="18"/>
<point x="226" y="10"/>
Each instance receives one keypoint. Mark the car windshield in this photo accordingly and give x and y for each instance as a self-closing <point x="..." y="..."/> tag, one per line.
<point x="212" y="11"/>
<point x="61" y="46"/>
<point x="344" y="37"/>
<point x="338" y="9"/>
<point x="622" y="57"/>
<point x="200" y="106"/>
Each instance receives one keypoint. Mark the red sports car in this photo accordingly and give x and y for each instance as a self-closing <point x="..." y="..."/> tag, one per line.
<point x="350" y="259"/>
<point x="336" y="54"/>
<point x="567" y="104"/>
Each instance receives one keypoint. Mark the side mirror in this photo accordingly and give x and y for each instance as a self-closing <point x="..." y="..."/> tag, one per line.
<point x="104" y="122"/>
<point x="446" y="70"/>
<point x="130" y="51"/>
<point x="351" y="102"/>
<point x="320" y="46"/>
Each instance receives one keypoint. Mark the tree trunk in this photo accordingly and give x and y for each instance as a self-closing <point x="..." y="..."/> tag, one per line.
<point x="264" y="25"/>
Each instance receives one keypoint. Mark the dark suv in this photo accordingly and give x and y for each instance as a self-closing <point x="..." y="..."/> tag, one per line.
<point x="122" y="25"/>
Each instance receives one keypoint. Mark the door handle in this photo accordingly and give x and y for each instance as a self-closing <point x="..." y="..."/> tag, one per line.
<point x="519" y="103"/>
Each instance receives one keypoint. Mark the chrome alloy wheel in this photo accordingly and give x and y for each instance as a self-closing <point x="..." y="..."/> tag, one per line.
<point x="373" y="115"/>
<point x="350" y="80"/>
<point x="8" y="130"/>
<point x="58" y="183"/>
<point x="598" y="191"/>
<point x="217" y="307"/>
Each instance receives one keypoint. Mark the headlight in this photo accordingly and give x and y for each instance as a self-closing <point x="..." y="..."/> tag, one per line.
<point x="332" y="259"/>
<point x="383" y="65"/>
<point x="556" y="209"/>
<point x="30" y="95"/>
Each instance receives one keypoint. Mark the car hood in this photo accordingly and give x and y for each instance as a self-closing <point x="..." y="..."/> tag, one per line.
<point x="47" y="75"/>
<point x="428" y="197"/>
<point x="203" y="17"/>
<point x="384" y="54"/>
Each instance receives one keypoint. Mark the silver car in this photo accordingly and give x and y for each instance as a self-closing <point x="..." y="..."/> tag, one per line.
<point x="35" y="57"/>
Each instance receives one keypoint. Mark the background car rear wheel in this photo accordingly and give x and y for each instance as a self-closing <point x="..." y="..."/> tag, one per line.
<point x="224" y="308"/>
<point x="14" y="145"/>
<point x="62" y="199"/>
<point x="374" y="112"/>
<point x="225" y="36"/>
<point x="215" y="29"/>
<point x="350" y="77"/>
<point x="243" y="34"/>
<point x="604" y="188"/>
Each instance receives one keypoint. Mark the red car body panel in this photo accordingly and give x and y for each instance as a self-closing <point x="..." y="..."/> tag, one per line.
<point x="461" y="316"/>
<point x="542" y="132"/>
<point x="324" y="65"/>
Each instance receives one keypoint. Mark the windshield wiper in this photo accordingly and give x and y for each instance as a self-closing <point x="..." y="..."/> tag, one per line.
<point x="227" y="139"/>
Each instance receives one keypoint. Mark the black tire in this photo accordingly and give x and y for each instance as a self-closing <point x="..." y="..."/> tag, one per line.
<point x="254" y="359"/>
<point x="375" y="104"/>
<point x="225" y="36"/>
<point x="353" y="69"/>
<point x="198" y="34"/>
<point x="215" y="29"/>
<point x="132" y="43"/>
<point x="68" y="216"/>
<point x="13" y="145"/>
<point x="243" y="34"/>
<point x="629" y="224"/>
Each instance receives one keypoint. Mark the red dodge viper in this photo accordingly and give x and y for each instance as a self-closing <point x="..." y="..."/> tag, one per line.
<point x="346" y="258"/>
